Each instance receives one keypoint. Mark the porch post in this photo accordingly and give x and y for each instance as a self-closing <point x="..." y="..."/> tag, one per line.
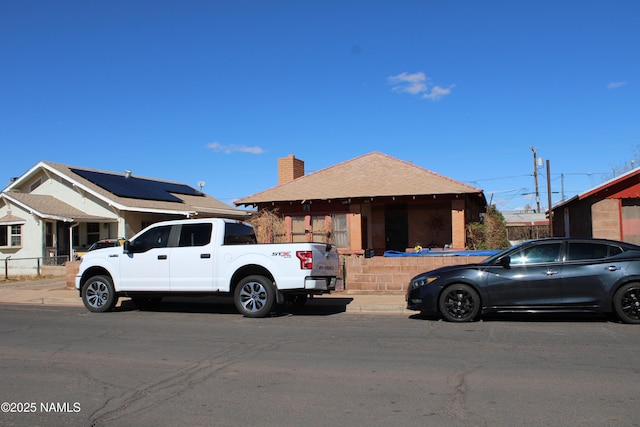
<point x="458" y="226"/>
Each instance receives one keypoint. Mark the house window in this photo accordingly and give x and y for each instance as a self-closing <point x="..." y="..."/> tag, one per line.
<point x="10" y="235"/>
<point x="298" y="229"/>
<point x="16" y="235"/>
<point x="339" y="230"/>
<point x="93" y="232"/>
<point x="49" y="235"/>
<point x="319" y="227"/>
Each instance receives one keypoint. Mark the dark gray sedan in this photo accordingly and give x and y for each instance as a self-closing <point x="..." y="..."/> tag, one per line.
<point x="538" y="276"/>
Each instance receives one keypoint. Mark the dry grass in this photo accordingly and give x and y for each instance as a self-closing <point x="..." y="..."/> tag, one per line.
<point x="269" y="226"/>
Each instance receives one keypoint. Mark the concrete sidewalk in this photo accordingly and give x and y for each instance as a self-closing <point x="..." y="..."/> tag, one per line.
<point x="53" y="291"/>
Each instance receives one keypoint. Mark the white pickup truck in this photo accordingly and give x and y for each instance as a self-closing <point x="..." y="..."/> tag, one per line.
<point x="206" y="257"/>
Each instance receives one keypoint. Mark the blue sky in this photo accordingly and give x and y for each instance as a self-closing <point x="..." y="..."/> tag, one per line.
<point x="217" y="91"/>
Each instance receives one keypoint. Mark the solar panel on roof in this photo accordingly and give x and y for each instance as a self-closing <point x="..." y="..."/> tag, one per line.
<point x="137" y="188"/>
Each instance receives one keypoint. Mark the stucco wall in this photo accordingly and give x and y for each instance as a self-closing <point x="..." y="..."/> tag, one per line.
<point x="31" y="238"/>
<point x="605" y="216"/>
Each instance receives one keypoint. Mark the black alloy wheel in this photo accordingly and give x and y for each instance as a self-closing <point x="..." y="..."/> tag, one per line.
<point x="626" y="303"/>
<point x="459" y="303"/>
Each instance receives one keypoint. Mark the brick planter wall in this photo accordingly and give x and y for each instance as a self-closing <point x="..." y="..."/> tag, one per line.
<point x="72" y="268"/>
<point x="382" y="274"/>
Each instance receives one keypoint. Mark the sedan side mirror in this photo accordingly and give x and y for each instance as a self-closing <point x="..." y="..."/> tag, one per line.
<point x="505" y="261"/>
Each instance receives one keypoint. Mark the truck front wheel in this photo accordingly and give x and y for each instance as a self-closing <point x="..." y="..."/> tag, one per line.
<point x="254" y="296"/>
<point x="98" y="294"/>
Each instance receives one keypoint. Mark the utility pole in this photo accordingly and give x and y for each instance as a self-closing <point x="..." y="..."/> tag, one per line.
<point x="535" y="177"/>
<point x="549" y="200"/>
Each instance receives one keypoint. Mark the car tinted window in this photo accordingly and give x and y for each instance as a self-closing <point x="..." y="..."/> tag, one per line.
<point x="586" y="250"/>
<point x="157" y="237"/>
<point x="539" y="253"/>
<point x="195" y="234"/>
<point x="615" y="250"/>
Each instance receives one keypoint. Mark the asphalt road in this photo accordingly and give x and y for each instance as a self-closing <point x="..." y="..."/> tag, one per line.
<point x="187" y="365"/>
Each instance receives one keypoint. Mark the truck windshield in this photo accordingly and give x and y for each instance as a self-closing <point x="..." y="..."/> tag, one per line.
<point x="239" y="234"/>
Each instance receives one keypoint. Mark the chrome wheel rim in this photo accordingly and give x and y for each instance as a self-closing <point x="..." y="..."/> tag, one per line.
<point x="97" y="294"/>
<point x="253" y="296"/>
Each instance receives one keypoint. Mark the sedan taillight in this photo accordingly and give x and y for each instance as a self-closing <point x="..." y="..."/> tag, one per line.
<point x="306" y="259"/>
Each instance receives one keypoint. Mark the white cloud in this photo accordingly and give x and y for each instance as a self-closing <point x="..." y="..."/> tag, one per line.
<point x="616" y="85"/>
<point x="437" y="92"/>
<point x="233" y="148"/>
<point x="418" y="84"/>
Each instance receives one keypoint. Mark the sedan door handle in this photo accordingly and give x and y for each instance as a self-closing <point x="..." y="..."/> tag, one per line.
<point x="613" y="268"/>
<point x="551" y="272"/>
<point x="162" y="257"/>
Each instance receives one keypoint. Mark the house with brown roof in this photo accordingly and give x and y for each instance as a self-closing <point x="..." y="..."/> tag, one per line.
<point x="53" y="209"/>
<point x="371" y="202"/>
<point x="610" y="210"/>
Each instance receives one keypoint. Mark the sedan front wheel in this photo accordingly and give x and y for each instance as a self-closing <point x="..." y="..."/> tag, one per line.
<point x="459" y="303"/>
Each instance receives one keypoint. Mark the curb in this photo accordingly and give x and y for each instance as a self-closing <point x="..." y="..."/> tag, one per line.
<point x="54" y="292"/>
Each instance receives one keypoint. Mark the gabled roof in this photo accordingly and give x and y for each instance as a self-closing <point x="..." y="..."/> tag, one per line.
<point x="632" y="175"/>
<point x="371" y="175"/>
<point x="49" y="207"/>
<point x="11" y="220"/>
<point x="190" y="204"/>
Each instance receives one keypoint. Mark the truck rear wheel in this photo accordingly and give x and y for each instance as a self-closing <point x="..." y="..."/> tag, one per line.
<point x="254" y="296"/>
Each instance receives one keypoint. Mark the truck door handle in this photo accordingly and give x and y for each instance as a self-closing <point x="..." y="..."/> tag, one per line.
<point x="162" y="257"/>
<point x="205" y="255"/>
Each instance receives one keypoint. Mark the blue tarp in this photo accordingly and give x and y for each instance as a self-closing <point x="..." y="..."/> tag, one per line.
<point x="430" y="252"/>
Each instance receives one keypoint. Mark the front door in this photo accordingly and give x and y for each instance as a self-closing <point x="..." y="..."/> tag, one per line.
<point x="396" y="226"/>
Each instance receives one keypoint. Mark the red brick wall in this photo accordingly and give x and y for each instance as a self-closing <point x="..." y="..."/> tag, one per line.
<point x="72" y="268"/>
<point x="393" y="273"/>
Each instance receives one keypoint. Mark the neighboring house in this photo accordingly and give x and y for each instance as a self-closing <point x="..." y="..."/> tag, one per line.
<point x="523" y="226"/>
<point x="610" y="210"/>
<point x="54" y="210"/>
<point x="371" y="202"/>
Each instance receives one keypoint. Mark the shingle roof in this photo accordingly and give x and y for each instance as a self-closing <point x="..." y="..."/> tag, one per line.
<point x="371" y="175"/>
<point x="11" y="219"/>
<point x="190" y="204"/>
<point x="49" y="206"/>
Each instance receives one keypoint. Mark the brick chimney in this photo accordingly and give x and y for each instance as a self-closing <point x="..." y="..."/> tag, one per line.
<point x="289" y="168"/>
